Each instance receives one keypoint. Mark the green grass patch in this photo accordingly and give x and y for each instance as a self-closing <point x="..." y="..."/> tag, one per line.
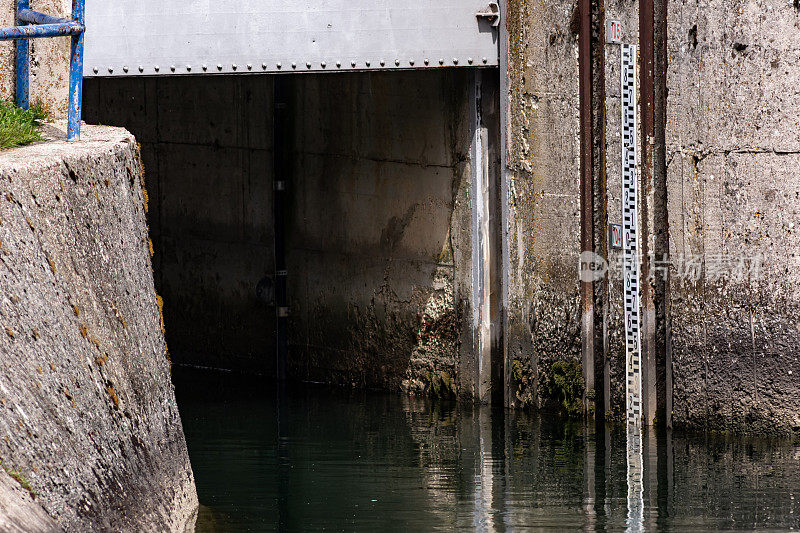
<point x="19" y="478"/>
<point x="20" y="126"/>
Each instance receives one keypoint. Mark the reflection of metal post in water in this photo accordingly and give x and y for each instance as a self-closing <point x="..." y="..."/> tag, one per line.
<point x="489" y="512"/>
<point x="664" y="476"/>
<point x="650" y="481"/>
<point x="590" y="478"/>
<point x="482" y="519"/>
<point x="283" y="459"/>
<point x="607" y="477"/>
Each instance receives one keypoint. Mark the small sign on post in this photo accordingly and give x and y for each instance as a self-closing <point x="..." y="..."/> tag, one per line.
<point x="615" y="236"/>
<point x="613" y="31"/>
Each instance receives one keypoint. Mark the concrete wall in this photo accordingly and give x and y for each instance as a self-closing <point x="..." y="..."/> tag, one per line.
<point x="731" y="187"/>
<point x="379" y="235"/>
<point x="543" y="160"/>
<point x="87" y="409"/>
<point x="733" y="190"/>
<point x="388" y="276"/>
<point x="19" y="512"/>
<point x="49" y="67"/>
<point x="207" y="153"/>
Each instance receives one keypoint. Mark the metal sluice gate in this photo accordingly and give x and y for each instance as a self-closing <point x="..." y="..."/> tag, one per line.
<point x="176" y="37"/>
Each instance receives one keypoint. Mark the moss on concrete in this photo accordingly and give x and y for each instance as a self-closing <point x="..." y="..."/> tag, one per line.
<point x="19" y="478"/>
<point x="566" y="386"/>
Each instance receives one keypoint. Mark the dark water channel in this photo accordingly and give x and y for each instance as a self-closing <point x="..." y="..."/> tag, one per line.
<point x="316" y="458"/>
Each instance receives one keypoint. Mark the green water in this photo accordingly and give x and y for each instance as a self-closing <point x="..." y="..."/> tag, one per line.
<point x="315" y="458"/>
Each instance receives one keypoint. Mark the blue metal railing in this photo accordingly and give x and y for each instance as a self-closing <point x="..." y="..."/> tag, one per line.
<point x="31" y="25"/>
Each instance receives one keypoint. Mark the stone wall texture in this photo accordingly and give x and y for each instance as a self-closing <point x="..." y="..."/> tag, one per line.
<point x="732" y="192"/>
<point x="87" y="409"/>
<point x="378" y="221"/>
<point x="733" y="152"/>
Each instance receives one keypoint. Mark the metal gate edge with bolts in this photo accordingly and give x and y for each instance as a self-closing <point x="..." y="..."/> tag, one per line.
<point x="157" y="37"/>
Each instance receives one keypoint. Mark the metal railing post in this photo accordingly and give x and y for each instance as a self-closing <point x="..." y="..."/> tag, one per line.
<point x="31" y="25"/>
<point x="75" y="75"/>
<point x="22" y="72"/>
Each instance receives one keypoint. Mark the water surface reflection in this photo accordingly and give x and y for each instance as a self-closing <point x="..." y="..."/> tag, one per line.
<point x="320" y="458"/>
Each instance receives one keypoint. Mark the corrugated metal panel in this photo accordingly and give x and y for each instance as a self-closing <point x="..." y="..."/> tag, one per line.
<point x="170" y="37"/>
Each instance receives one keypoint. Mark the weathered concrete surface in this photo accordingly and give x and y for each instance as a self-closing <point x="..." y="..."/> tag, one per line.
<point x="379" y="249"/>
<point x="733" y="145"/>
<point x="206" y="146"/>
<point x="544" y="231"/>
<point x="732" y="142"/>
<point x="19" y="512"/>
<point x="379" y="225"/>
<point x="379" y="274"/>
<point x="49" y="66"/>
<point x="87" y="410"/>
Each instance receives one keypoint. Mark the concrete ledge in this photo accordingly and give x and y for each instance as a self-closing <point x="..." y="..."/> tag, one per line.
<point x="87" y="408"/>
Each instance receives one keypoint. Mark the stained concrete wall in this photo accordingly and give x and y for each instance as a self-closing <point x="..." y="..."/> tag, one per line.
<point x="412" y="262"/>
<point x="49" y="58"/>
<point x="733" y="146"/>
<point x="379" y="235"/>
<point x="731" y="189"/>
<point x="543" y="160"/>
<point x="207" y="151"/>
<point x="87" y="409"/>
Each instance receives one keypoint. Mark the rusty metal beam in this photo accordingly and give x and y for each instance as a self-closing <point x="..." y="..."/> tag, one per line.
<point x="663" y="329"/>
<point x="586" y="189"/>
<point x="646" y="36"/>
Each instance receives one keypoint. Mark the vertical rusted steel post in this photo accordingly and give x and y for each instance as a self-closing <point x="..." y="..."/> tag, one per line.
<point x="75" y="75"/>
<point x="663" y="333"/>
<point x="599" y="177"/>
<point x="586" y="191"/>
<point x="22" y="65"/>
<point x="646" y="12"/>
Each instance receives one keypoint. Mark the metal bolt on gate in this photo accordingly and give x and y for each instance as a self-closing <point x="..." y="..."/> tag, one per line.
<point x="32" y="24"/>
